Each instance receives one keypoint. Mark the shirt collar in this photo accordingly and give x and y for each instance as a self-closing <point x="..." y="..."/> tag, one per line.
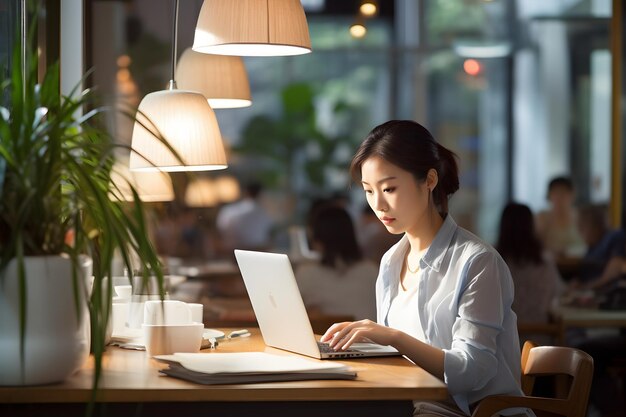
<point x="438" y="248"/>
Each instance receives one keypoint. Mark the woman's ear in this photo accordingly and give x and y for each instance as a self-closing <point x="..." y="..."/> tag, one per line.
<point x="432" y="179"/>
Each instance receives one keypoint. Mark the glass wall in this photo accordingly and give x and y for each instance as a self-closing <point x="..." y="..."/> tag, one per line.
<point x="519" y="90"/>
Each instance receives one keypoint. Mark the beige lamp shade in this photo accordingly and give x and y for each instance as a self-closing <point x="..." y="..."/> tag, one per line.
<point x="222" y="79"/>
<point x="202" y="192"/>
<point x="188" y="123"/>
<point x="228" y="189"/>
<point x="151" y="186"/>
<point x="252" y="28"/>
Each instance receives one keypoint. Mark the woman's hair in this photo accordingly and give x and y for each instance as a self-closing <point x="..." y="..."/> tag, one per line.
<point x="562" y="182"/>
<point x="411" y="147"/>
<point x="332" y="226"/>
<point x="518" y="242"/>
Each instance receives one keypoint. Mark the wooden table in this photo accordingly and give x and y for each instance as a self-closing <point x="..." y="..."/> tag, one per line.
<point x="569" y="317"/>
<point x="131" y="385"/>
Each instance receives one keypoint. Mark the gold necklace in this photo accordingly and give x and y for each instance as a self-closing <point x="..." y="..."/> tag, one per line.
<point x="413" y="271"/>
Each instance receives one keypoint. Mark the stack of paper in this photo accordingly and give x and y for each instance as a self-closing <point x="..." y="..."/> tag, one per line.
<point x="248" y="367"/>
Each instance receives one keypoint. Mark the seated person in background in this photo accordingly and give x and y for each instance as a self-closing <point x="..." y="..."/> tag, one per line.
<point x="603" y="243"/>
<point x="537" y="281"/>
<point x="615" y="270"/>
<point x="245" y="224"/>
<point x="342" y="282"/>
<point x="374" y="238"/>
<point x="557" y="227"/>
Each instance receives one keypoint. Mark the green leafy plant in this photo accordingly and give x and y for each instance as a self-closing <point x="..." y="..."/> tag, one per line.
<point x="56" y="193"/>
<point x="293" y="144"/>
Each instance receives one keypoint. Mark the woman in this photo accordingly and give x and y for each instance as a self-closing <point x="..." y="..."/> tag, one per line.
<point x="443" y="296"/>
<point x="342" y="282"/>
<point x="556" y="227"/>
<point x="537" y="281"/>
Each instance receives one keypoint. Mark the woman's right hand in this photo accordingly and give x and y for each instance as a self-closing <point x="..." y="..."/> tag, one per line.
<point x="341" y="336"/>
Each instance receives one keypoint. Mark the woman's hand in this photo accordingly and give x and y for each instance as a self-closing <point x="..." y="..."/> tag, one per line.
<point x="341" y="336"/>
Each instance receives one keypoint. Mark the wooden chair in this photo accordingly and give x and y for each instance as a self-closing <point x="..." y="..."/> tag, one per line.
<point x="528" y="381"/>
<point x="541" y="361"/>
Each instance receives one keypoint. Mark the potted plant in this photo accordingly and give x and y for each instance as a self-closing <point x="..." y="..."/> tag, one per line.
<point x="61" y="225"/>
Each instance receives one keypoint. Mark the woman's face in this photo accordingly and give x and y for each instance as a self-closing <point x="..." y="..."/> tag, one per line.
<point x="561" y="197"/>
<point x="400" y="201"/>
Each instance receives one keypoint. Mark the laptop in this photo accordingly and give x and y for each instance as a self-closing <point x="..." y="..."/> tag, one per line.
<point x="280" y="311"/>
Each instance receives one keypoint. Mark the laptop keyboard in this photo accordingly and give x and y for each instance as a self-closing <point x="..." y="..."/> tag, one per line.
<point x="325" y="348"/>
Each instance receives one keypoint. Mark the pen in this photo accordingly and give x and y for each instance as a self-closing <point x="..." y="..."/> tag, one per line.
<point x="239" y="333"/>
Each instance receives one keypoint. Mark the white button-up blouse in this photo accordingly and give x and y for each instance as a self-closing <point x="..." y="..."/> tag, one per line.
<point x="464" y="304"/>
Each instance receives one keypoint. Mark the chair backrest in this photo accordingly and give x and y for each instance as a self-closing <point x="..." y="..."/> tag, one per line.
<point x="542" y="361"/>
<point x="558" y="360"/>
<point x="527" y="381"/>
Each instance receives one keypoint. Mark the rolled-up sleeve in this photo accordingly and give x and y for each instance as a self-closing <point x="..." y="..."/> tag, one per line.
<point x="471" y="362"/>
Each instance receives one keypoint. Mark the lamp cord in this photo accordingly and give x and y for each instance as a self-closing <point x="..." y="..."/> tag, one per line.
<point x="172" y="85"/>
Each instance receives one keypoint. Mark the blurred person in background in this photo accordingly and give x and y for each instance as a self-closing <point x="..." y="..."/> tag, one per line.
<point x="342" y="282"/>
<point x="536" y="278"/>
<point x="245" y="224"/>
<point x="604" y="244"/>
<point x="557" y="227"/>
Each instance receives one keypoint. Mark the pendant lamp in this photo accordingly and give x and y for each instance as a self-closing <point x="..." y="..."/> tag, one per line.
<point x="222" y="79"/>
<point x="252" y="28"/>
<point x="185" y="120"/>
<point x="151" y="186"/>
<point x="201" y="192"/>
<point x="228" y="189"/>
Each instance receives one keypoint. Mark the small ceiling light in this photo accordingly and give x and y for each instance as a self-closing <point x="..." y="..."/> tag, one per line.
<point x="368" y="8"/>
<point x="472" y="67"/>
<point x="222" y="79"/>
<point x="358" y="30"/>
<point x="252" y="28"/>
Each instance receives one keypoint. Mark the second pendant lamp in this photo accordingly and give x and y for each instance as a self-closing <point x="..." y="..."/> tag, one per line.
<point x="222" y="79"/>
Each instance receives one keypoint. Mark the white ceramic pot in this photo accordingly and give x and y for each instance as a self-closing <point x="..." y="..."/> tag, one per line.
<point x="57" y="341"/>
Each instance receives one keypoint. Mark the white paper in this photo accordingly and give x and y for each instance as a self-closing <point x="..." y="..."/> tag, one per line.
<point x="250" y="363"/>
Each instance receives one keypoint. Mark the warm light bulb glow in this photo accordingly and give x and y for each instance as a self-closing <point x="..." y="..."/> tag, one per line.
<point x="368" y="9"/>
<point x="358" y="30"/>
<point x="228" y="189"/>
<point x="123" y="61"/>
<point x="202" y="192"/>
<point x="472" y="67"/>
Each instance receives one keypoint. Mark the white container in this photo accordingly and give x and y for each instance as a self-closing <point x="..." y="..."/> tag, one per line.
<point x="57" y="335"/>
<point x="167" y="312"/>
<point x="166" y="340"/>
<point x="197" y="310"/>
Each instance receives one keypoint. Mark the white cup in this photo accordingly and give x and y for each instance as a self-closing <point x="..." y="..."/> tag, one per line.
<point x="169" y="339"/>
<point x="196" y="312"/>
<point x="136" y="308"/>
<point x="119" y="316"/>
<point x="166" y="312"/>
<point x="124" y="292"/>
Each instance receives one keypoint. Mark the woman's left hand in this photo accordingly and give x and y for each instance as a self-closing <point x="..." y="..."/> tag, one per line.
<point x="341" y="335"/>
